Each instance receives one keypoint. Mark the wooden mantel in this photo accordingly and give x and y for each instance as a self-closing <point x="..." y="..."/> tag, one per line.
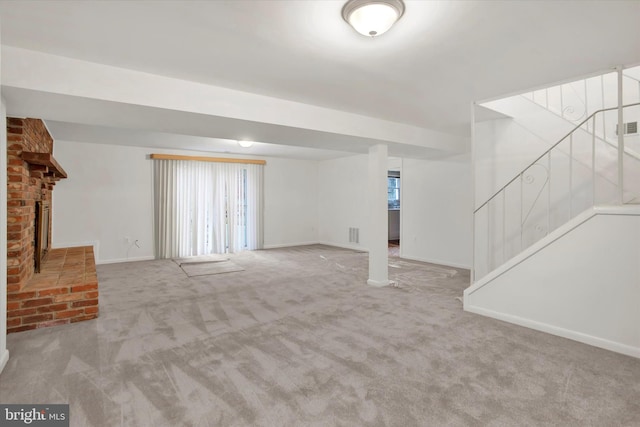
<point x="45" y="159"/>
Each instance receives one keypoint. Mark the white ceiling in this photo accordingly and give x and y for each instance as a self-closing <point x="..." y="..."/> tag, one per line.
<point x="440" y="56"/>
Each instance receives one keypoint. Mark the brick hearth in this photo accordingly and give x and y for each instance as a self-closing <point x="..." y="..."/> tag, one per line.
<point x="65" y="291"/>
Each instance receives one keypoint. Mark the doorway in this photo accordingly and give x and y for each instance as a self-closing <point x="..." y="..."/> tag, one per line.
<point x="393" y="201"/>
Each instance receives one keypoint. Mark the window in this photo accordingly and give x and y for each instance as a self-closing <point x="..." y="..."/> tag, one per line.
<point x="203" y="208"/>
<point x="393" y="192"/>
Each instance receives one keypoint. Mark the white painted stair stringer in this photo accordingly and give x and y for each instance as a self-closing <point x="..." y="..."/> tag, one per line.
<point x="581" y="282"/>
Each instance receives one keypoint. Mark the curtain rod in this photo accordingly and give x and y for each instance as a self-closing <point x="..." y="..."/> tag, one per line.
<point x="206" y="159"/>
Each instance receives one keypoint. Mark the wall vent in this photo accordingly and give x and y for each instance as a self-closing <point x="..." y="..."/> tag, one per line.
<point x="629" y="128"/>
<point x="354" y="235"/>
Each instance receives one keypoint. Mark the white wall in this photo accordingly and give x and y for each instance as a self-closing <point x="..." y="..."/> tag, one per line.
<point x="435" y="207"/>
<point x="4" y="353"/>
<point x="574" y="287"/>
<point x="342" y="200"/>
<point x="108" y="196"/>
<point x="394" y="224"/>
<point x="436" y="210"/>
<point x="291" y="202"/>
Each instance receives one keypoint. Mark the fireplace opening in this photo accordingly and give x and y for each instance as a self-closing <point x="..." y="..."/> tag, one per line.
<point x="41" y="234"/>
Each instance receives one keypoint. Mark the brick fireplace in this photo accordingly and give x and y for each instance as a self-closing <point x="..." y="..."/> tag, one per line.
<point x="45" y="287"/>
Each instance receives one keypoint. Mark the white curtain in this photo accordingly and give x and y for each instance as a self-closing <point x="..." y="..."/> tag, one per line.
<point x="205" y="207"/>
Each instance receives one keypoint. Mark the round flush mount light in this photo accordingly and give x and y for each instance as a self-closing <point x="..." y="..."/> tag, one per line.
<point x="372" y="17"/>
<point x="245" y="144"/>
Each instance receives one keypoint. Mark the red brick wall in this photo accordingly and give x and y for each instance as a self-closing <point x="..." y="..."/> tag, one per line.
<point x="51" y="307"/>
<point x="65" y="292"/>
<point x="26" y="184"/>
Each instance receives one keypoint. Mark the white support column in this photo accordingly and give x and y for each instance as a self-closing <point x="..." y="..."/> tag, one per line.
<point x="4" y="353"/>
<point x="378" y="233"/>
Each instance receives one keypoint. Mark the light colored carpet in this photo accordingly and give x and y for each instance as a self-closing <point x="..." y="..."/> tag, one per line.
<point x="394" y="251"/>
<point x="209" y="268"/>
<point x="298" y="339"/>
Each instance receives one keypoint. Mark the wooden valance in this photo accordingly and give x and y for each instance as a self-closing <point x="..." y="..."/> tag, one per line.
<point x="207" y="159"/>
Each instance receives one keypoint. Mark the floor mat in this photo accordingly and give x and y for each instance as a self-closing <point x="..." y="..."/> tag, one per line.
<point x="206" y="269"/>
<point x="201" y="259"/>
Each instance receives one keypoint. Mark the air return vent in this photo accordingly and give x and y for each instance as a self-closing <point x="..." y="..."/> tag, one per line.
<point x="629" y="128"/>
<point x="354" y="235"/>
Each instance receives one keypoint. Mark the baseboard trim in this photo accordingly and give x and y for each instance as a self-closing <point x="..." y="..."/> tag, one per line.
<point x="119" y="260"/>
<point x="4" y="359"/>
<point x="377" y="283"/>
<point x="555" y="330"/>
<point x="343" y="246"/>
<point x="438" y="262"/>
<point x="289" y="245"/>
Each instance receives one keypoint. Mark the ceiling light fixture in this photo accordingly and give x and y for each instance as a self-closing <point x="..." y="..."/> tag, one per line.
<point x="372" y="17"/>
<point x="245" y="144"/>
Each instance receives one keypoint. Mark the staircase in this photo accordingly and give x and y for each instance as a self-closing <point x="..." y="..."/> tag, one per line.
<point x="557" y="248"/>
<point x="576" y="173"/>
<point x="571" y="103"/>
<point x="580" y="282"/>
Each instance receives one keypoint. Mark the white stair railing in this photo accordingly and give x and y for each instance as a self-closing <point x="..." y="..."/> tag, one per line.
<point x="577" y="172"/>
<point x="572" y="101"/>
